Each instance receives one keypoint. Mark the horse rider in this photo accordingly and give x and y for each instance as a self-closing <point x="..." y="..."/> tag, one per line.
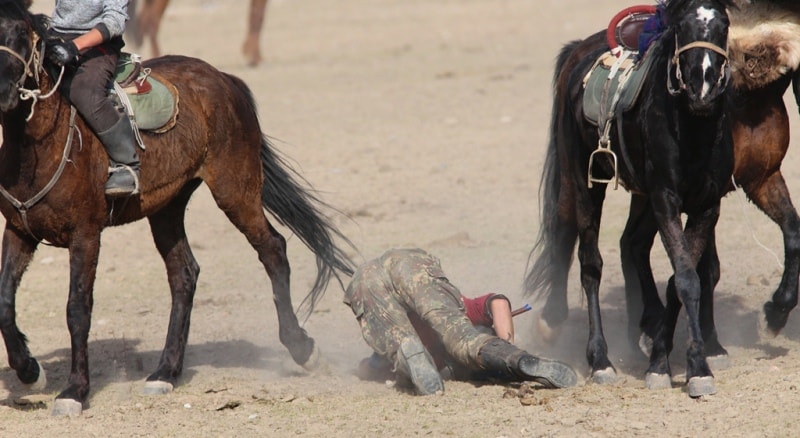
<point x="416" y="320"/>
<point x="87" y="41"/>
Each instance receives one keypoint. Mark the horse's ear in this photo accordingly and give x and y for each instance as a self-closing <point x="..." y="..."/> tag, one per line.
<point x="25" y="3"/>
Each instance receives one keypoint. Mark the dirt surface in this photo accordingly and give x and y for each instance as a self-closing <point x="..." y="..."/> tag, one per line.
<point x="425" y="123"/>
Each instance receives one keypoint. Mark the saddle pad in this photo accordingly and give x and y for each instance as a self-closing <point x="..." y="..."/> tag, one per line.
<point x="596" y="80"/>
<point x="154" y="101"/>
<point x="128" y="68"/>
<point x="155" y="109"/>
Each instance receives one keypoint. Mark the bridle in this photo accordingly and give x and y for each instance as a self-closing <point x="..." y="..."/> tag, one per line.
<point x="35" y="60"/>
<point x="676" y="62"/>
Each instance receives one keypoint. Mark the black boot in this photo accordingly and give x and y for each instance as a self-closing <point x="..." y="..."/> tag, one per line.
<point x="501" y="356"/>
<point x="120" y="143"/>
<point x="415" y="368"/>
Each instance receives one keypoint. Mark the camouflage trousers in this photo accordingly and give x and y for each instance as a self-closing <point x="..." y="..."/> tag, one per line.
<point x="385" y="290"/>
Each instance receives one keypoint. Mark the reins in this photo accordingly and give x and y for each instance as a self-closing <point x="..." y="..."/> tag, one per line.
<point x="23" y="207"/>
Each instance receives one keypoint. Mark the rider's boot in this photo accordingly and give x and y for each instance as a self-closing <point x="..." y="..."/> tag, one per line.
<point x="120" y="143"/>
<point x="501" y="356"/>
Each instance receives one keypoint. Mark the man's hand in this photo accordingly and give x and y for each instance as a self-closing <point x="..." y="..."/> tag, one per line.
<point x="62" y="52"/>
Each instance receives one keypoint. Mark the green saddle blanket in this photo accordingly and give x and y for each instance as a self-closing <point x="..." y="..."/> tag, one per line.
<point x="154" y="103"/>
<point x="595" y="104"/>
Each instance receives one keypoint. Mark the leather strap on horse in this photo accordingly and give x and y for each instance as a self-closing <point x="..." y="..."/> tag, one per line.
<point x="676" y="62"/>
<point x="23" y="207"/>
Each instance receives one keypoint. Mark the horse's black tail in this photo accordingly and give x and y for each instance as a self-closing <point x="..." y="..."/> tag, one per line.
<point x="549" y="258"/>
<point x="299" y="210"/>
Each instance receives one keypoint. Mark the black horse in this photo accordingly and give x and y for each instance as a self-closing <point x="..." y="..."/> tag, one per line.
<point x="45" y="199"/>
<point x="763" y="71"/>
<point x="678" y="158"/>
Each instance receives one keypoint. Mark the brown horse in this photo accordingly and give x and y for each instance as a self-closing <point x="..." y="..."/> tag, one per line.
<point x="145" y="22"/>
<point x="52" y="171"/>
<point x="765" y="55"/>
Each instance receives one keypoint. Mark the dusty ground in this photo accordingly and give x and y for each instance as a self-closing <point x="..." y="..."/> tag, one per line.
<point x="425" y="122"/>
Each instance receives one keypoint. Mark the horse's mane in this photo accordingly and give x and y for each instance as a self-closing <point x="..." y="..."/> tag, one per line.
<point x="15" y="8"/>
<point x="763" y="42"/>
<point x="18" y="9"/>
<point x="675" y="7"/>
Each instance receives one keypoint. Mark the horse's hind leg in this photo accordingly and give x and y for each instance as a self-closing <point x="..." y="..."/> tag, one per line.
<point x="244" y="210"/>
<point x="17" y="254"/>
<point x="708" y="270"/>
<point x="591" y="270"/>
<point x="170" y="238"/>
<point x="644" y="307"/>
<point x="773" y="198"/>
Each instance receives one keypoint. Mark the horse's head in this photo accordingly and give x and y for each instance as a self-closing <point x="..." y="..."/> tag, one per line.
<point x="16" y="49"/>
<point x="699" y="67"/>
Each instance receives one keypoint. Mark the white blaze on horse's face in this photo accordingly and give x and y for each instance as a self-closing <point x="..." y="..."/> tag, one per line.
<point x="706" y="84"/>
<point x="705" y="16"/>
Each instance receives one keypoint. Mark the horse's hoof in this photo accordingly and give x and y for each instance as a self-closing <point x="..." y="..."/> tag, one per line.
<point x="316" y="362"/>
<point x="657" y="381"/>
<point x="546" y="333"/>
<point x="700" y="386"/>
<point x="157" y="387"/>
<point x="67" y="407"/>
<point x="646" y="344"/>
<point x="40" y="383"/>
<point x="605" y="376"/>
<point x="719" y="362"/>
<point x="775" y="319"/>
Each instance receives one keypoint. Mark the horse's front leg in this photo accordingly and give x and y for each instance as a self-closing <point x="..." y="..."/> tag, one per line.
<point x="83" y="254"/>
<point x="684" y="251"/>
<point x="252" y="47"/>
<point x="17" y="253"/>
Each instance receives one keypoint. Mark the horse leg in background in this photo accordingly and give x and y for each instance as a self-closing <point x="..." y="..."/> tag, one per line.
<point x="146" y="24"/>
<point x="17" y="254"/>
<point x="644" y="307"/>
<point x="133" y="33"/>
<point x="773" y="198"/>
<point x="169" y="234"/>
<point x="251" y="47"/>
<point x="708" y="270"/>
<point x="589" y="212"/>
<point x="760" y="128"/>
<point x="556" y="308"/>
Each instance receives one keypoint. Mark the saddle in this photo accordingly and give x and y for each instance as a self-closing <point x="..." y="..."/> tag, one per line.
<point x="613" y="84"/>
<point x="151" y="102"/>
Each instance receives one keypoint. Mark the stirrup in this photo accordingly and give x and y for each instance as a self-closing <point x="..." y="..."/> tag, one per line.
<point x="603" y="148"/>
<point x="117" y="191"/>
